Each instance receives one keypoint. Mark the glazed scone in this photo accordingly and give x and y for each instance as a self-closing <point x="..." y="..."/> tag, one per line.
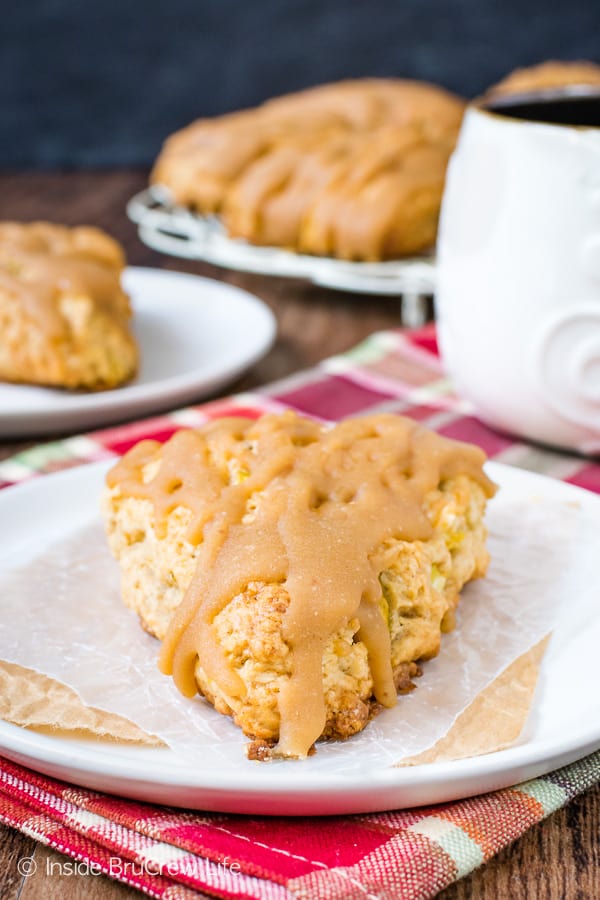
<point x="548" y="76"/>
<point x="64" y="317"/>
<point x="353" y="170"/>
<point x="337" y="556"/>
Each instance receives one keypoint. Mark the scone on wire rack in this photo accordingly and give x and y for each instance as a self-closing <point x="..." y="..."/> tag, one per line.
<point x="296" y="574"/>
<point x="64" y="317"/>
<point x="353" y="170"/>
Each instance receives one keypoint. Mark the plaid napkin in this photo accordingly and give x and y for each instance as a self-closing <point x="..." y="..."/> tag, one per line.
<point x="392" y="371"/>
<point x="386" y="856"/>
<point x="402" y="855"/>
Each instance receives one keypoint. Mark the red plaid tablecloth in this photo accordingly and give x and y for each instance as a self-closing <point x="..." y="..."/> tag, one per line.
<point x="408" y="854"/>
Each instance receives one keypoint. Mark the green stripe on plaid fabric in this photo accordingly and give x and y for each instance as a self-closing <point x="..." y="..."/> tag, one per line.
<point x="550" y="796"/>
<point x="391" y="371"/>
<point x="465" y="852"/>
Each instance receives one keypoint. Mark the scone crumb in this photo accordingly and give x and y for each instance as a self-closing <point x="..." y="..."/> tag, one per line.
<point x="260" y="750"/>
<point x="403" y="675"/>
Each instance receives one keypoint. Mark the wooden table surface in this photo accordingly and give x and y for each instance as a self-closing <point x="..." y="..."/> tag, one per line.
<point x="559" y="859"/>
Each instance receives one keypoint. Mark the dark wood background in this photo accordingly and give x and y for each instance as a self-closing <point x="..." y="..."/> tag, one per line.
<point x="102" y="84"/>
<point x="557" y="860"/>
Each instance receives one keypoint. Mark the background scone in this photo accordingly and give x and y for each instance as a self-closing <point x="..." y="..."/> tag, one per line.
<point x="298" y="574"/>
<point x="353" y="169"/>
<point x="550" y="75"/>
<point x="64" y="318"/>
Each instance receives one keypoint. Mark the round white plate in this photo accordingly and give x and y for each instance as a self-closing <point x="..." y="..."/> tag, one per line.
<point x="179" y="232"/>
<point x="564" y="724"/>
<point x="195" y="335"/>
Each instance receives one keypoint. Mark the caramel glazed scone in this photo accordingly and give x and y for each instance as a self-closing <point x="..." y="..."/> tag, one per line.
<point x="64" y="318"/>
<point x="353" y="169"/>
<point x="297" y="574"/>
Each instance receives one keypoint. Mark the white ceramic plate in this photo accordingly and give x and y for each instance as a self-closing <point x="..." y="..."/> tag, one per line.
<point x="195" y="335"/>
<point x="564" y="724"/>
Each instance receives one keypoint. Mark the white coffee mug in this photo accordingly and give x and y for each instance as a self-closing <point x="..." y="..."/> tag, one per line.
<point x="518" y="295"/>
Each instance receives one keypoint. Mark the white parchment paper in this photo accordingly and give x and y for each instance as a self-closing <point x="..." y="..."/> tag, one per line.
<point x="62" y="615"/>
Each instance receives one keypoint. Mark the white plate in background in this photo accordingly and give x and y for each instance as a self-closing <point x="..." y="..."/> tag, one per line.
<point x="195" y="335"/>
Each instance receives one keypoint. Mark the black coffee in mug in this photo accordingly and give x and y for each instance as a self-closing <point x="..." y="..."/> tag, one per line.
<point x="565" y="107"/>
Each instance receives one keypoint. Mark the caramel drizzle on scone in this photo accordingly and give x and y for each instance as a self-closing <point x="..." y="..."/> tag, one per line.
<point x="354" y="169"/>
<point x="309" y="508"/>
<point x="42" y="262"/>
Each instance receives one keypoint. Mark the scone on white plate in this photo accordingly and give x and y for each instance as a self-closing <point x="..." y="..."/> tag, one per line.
<point x="64" y="317"/>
